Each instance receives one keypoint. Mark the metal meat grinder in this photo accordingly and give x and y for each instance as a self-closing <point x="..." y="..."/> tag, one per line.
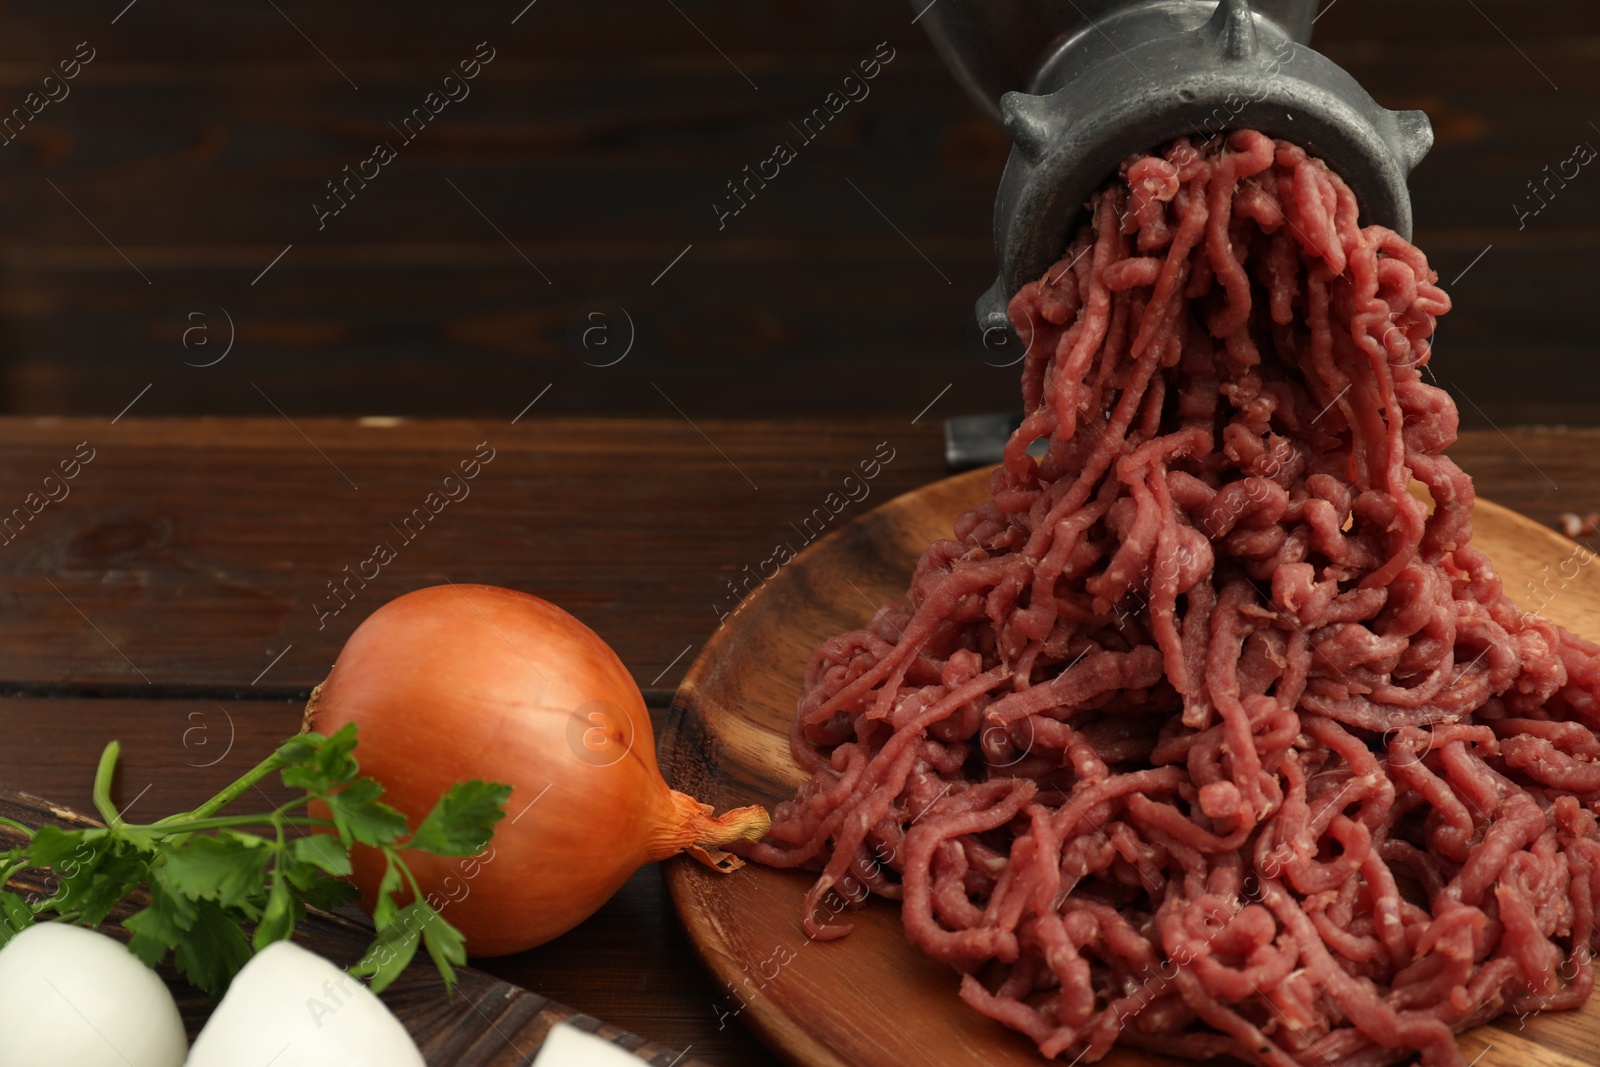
<point x="1079" y="85"/>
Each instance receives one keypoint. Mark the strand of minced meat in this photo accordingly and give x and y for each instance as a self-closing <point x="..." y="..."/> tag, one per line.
<point x="1204" y="735"/>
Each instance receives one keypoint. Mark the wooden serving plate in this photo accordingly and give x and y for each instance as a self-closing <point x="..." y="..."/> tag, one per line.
<point x="486" y="1023"/>
<point x="870" y="999"/>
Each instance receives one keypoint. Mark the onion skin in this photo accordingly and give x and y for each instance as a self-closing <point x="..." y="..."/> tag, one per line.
<point x="472" y="681"/>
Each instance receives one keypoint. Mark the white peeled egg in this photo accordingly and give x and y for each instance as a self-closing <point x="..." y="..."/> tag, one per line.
<point x="291" y="1008"/>
<point x="71" y="995"/>
<point x="567" y="1046"/>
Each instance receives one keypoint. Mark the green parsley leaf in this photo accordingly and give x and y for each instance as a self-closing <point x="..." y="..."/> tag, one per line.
<point x="463" y="820"/>
<point x="208" y="878"/>
<point x="11" y="856"/>
<point x="139" y="839"/>
<point x="15" y="916"/>
<point x="384" y="907"/>
<point x="320" y="764"/>
<point x="300" y="748"/>
<point x="322" y="850"/>
<point x="360" y="816"/>
<point x="393" y="948"/>
<point x="163" y="924"/>
<point x="226" y="869"/>
<point x="277" y="919"/>
<point x="326" y="893"/>
<point x="308" y="880"/>
<point x="446" y="945"/>
<point x="95" y="875"/>
<point x="396" y="944"/>
<point x="212" y="950"/>
<point x="56" y="848"/>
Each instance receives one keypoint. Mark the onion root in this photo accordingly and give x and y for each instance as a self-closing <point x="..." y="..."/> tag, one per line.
<point x="703" y="834"/>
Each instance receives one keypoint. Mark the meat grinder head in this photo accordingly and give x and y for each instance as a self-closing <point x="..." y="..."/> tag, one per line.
<point x="1080" y="85"/>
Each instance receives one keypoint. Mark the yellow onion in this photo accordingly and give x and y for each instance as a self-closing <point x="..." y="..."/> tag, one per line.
<point x="457" y="682"/>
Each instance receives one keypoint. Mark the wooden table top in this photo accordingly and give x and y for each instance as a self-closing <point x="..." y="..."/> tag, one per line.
<point x="174" y="594"/>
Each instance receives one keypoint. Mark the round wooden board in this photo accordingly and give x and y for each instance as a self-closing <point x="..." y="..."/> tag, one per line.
<point x="870" y="999"/>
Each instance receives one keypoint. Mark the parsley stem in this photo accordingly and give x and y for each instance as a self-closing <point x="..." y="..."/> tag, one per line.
<point x="228" y="795"/>
<point x="224" y="822"/>
<point x="289" y="805"/>
<point x="416" y="890"/>
<point x="102" y="786"/>
<point x="17" y="826"/>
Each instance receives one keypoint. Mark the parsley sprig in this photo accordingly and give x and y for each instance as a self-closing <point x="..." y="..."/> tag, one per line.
<point x="224" y="885"/>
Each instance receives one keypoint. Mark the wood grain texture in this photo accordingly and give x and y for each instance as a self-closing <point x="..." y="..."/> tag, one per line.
<point x="870" y="999"/>
<point x="596" y="142"/>
<point x="486" y="1023"/>
<point x="189" y="555"/>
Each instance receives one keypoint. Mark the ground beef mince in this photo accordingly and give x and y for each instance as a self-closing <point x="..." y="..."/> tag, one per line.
<point x="1206" y="734"/>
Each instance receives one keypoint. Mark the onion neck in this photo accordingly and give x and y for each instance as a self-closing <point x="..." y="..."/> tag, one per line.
<point x="309" y="718"/>
<point x="697" y="829"/>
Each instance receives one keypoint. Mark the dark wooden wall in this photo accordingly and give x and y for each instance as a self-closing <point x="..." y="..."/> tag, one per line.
<point x="189" y="152"/>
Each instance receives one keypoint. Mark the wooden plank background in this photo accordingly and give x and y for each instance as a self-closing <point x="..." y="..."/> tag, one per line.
<point x="187" y="156"/>
<point x="188" y="556"/>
